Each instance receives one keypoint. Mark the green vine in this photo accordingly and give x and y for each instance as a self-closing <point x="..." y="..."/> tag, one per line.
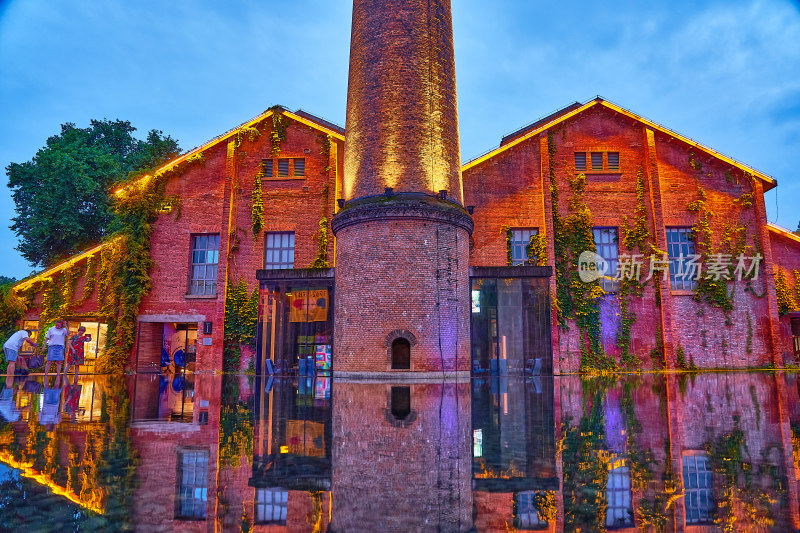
<point x="738" y="489"/>
<point x="257" y="211"/>
<point x="786" y="299"/>
<point x="506" y="230"/>
<point x="575" y="299"/>
<point x="536" y="250"/>
<point x="235" y="426"/>
<point x="251" y="133"/>
<point x="241" y="317"/>
<point x="278" y="133"/>
<point x="321" y="260"/>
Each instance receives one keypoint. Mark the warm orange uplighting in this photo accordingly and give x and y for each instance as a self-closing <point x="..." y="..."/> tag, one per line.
<point x="24" y="284"/>
<point x="770" y="181"/>
<point x="783" y="231"/>
<point x="225" y="136"/>
<point x="26" y="470"/>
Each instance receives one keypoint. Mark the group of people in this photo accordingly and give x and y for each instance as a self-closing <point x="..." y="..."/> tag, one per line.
<point x="57" y="340"/>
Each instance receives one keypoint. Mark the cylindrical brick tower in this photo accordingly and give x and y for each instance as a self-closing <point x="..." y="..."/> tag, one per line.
<point x="402" y="236"/>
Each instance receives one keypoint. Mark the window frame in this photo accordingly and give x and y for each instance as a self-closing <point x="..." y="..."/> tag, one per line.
<point x="271" y="168"/>
<point x="179" y="486"/>
<point x="679" y="246"/>
<point x="206" y="281"/>
<point x="584" y="162"/>
<point x="513" y="243"/>
<point x="280" y="264"/>
<point x="608" y="285"/>
<point x="282" y="507"/>
<point x="688" y="459"/>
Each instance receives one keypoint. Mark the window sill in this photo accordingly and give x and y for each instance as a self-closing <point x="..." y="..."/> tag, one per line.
<point x="200" y="296"/>
<point x="284" y="178"/>
<point x="683" y="292"/>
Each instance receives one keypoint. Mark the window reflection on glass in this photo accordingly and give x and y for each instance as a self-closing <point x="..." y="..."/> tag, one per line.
<point x="607" y="243"/>
<point x="697" y="487"/>
<point x="527" y="515"/>
<point x="271" y="506"/>
<point x="190" y="502"/>
<point x="618" y="492"/>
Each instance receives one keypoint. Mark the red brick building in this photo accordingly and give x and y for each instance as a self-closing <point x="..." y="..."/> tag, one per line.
<point x="378" y="237"/>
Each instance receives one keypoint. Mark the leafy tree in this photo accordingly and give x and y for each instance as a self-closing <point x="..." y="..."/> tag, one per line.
<point x="62" y="195"/>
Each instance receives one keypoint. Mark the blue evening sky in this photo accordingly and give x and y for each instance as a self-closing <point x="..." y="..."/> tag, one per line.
<point x="725" y="73"/>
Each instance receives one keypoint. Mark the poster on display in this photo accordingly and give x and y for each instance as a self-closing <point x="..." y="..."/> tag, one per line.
<point x="323" y="357"/>
<point x="308" y="306"/>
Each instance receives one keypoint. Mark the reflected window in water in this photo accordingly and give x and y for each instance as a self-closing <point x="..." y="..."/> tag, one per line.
<point x="527" y="515"/>
<point x="401" y="402"/>
<point x="401" y="354"/>
<point x="697" y="488"/>
<point x="193" y="485"/>
<point x="618" y="491"/>
<point x="271" y="506"/>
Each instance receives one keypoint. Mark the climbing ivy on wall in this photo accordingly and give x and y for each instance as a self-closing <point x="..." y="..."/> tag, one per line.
<point x="787" y="301"/>
<point x="585" y="473"/>
<point x="257" y="210"/>
<point x="536" y="250"/>
<point x="278" y="133"/>
<point x="241" y="317"/>
<point x="321" y="260"/>
<point x="572" y="235"/>
<point x="119" y="272"/>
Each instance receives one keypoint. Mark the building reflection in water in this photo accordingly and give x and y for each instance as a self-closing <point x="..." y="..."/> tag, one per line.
<point x="682" y="453"/>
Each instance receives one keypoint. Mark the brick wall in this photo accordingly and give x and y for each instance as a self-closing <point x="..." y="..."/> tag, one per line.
<point x="405" y="275"/>
<point x="511" y="189"/>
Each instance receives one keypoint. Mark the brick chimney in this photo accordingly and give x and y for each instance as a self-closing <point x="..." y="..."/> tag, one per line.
<point x="402" y="236"/>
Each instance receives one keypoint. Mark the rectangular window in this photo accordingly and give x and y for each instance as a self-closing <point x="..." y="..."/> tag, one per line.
<point x="271" y="506"/>
<point x="618" y="491"/>
<point x="613" y="160"/>
<point x="283" y="167"/>
<point x="205" y="256"/>
<point x="597" y="160"/>
<point x="279" y="250"/>
<point x="33" y="325"/>
<point x="520" y="238"/>
<point x="266" y="167"/>
<point x="527" y="516"/>
<point x="607" y="243"/>
<point x="697" y="489"/>
<point x="680" y="248"/>
<point x="299" y="166"/>
<point x="580" y="161"/>
<point x="190" y="501"/>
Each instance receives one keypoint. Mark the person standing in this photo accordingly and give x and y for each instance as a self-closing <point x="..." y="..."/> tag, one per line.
<point x="75" y="350"/>
<point x="12" y="346"/>
<point x="55" y="338"/>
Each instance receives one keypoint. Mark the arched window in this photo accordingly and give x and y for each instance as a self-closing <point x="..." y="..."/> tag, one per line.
<point x="401" y="354"/>
<point x="401" y="402"/>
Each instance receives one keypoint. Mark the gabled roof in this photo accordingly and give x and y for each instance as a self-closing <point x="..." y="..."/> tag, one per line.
<point x="30" y="280"/>
<point x="780" y="230"/>
<point x="300" y="116"/>
<point x="533" y="125"/>
<point x="564" y="114"/>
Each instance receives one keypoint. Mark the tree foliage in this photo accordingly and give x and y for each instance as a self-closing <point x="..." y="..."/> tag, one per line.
<point x="62" y="195"/>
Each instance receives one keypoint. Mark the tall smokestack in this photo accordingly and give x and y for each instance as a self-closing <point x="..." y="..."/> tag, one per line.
<point x="402" y="246"/>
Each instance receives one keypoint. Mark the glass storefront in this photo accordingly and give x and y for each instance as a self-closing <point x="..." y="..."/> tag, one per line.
<point x="295" y="326"/>
<point x="95" y="347"/>
<point x="510" y="325"/>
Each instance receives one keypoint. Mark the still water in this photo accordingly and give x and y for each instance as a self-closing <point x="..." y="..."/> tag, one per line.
<point x="706" y="452"/>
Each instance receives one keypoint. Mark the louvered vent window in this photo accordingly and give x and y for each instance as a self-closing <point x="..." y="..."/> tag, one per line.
<point x="283" y="168"/>
<point x="580" y="161"/>
<point x="613" y="160"/>
<point x="299" y="166"/>
<point x="266" y="167"/>
<point x="597" y="160"/>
